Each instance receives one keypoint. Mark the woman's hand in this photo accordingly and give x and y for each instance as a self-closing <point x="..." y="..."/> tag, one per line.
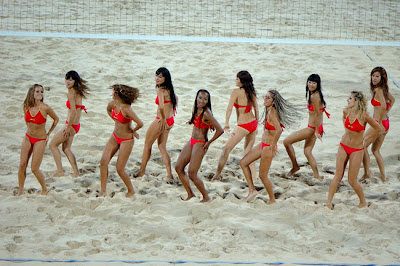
<point x="206" y="145"/>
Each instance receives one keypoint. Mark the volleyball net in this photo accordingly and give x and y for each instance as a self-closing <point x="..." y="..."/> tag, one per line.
<point x="333" y="20"/>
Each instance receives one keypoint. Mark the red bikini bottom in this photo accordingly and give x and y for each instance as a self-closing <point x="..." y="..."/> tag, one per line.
<point x="349" y="150"/>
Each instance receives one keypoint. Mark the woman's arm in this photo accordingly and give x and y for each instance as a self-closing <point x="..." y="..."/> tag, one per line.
<point x="53" y="116"/>
<point x="274" y="119"/>
<point x="391" y="100"/>
<point x="378" y="128"/>
<point x="110" y="107"/>
<point x="218" y="129"/>
<point x="232" y="100"/>
<point x="316" y="102"/>
<point x="255" y="106"/>
<point x="132" y="115"/>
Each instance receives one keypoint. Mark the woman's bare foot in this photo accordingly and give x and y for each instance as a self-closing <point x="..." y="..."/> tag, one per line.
<point x="363" y="204"/>
<point x="270" y="202"/>
<point x="188" y="197"/>
<point x="206" y="199"/>
<point x="102" y="194"/>
<point x="20" y="192"/>
<point x="44" y="192"/>
<point x="130" y="194"/>
<point x="330" y="206"/>
<point x="58" y="174"/>
<point x="383" y="178"/>
<point x="252" y="195"/>
<point x="365" y="177"/>
<point x="216" y="177"/>
<point x="319" y="178"/>
<point x="75" y="174"/>
<point x="170" y="180"/>
<point x="293" y="170"/>
<point x="138" y="174"/>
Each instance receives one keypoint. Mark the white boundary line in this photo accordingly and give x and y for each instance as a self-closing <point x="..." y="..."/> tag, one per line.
<point x="192" y="39"/>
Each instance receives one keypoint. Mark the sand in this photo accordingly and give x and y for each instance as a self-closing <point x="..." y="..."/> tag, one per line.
<point x="72" y="223"/>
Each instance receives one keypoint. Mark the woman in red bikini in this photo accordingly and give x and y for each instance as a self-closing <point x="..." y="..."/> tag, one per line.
<point x="195" y="149"/>
<point x="316" y="106"/>
<point x="35" y="140"/>
<point x="159" y="129"/>
<point x="77" y="90"/>
<point x="122" y="139"/>
<point x="351" y="149"/>
<point x="382" y="101"/>
<point x="277" y="112"/>
<point x="244" y="100"/>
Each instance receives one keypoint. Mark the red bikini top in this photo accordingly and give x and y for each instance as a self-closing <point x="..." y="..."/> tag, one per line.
<point x="388" y="105"/>
<point x="36" y="119"/>
<point x="268" y="126"/>
<point x="120" y="117"/>
<point x="199" y="123"/>
<point x="355" y="126"/>
<point x="248" y="107"/>
<point x="310" y="108"/>
<point x="76" y="106"/>
<point x="375" y="102"/>
<point x="158" y="101"/>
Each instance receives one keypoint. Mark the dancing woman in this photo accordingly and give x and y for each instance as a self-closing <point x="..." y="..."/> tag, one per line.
<point x="195" y="149"/>
<point x="159" y="129"/>
<point x="351" y="148"/>
<point x="316" y="106"/>
<point x="244" y="99"/>
<point x="122" y="139"/>
<point x="77" y="91"/>
<point x="380" y="94"/>
<point x="35" y="140"/>
<point x="278" y="112"/>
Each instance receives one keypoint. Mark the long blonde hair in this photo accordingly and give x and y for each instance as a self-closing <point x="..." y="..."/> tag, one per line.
<point x="362" y="102"/>
<point x="30" y="100"/>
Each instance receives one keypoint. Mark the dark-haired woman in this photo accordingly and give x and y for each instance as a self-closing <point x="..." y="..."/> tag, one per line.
<point x="122" y="139"/>
<point x="159" y="129"/>
<point x="316" y="106"/>
<point x="277" y="112"/>
<point x="382" y="101"/>
<point x="195" y="149"/>
<point x="77" y="90"/>
<point x="35" y="140"/>
<point x="351" y="148"/>
<point x="244" y="100"/>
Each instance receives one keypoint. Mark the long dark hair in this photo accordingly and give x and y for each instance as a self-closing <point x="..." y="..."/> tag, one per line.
<point x="383" y="83"/>
<point x="247" y="84"/>
<point x="316" y="78"/>
<point x="168" y="84"/>
<point x="79" y="84"/>
<point x="208" y="105"/>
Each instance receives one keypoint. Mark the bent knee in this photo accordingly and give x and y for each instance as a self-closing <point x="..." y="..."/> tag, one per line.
<point x="35" y="170"/>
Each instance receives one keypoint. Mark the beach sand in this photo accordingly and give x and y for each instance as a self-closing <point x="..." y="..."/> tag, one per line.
<point x="72" y="223"/>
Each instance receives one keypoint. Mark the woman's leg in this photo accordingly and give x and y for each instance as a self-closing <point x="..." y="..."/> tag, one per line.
<point x="376" y="147"/>
<point x="237" y="135"/>
<point x="194" y="166"/>
<point x="245" y="163"/>
<point x="308" y="147"/>
<point x="125" y="150"/>
<point x="366" y="158"/>
<point x="265" y="165"/>
<point x="162" y="146"/>
<point x="109" y="151"/>
<point x="354" y="167"/>
<point x="26" y="151"/>
<point x="37" y="157"/>
<point x="151" y="135"/>
<point x="297" y="136"/>
<point x="250" y="139"/>
<point x="341" y="162"/>
<point x="66" y="147"/>
<point x="183" y="160"/>
<point x="54" y="143"/>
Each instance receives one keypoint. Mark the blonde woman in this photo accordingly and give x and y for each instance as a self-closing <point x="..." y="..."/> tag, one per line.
<point x="351" y="148"/>
<point x="35" y="140"/>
